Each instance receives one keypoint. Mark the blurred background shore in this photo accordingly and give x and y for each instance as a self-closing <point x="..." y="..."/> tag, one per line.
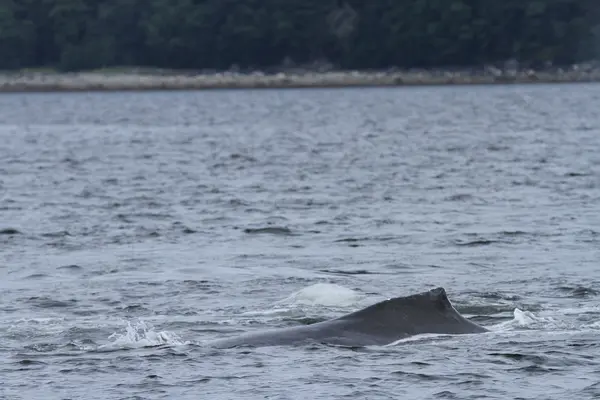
<point x="159" y="79"/>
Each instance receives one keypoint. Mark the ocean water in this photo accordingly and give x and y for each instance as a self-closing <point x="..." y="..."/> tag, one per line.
<point x="136" y="227"/>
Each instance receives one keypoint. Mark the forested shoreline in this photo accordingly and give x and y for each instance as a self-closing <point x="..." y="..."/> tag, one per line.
<point x="271" y="35"/>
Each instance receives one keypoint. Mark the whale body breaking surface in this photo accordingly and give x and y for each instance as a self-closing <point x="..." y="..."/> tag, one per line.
<point x="383" y="323"/>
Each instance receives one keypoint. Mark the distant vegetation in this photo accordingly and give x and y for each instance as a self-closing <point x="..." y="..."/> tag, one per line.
<point x="263" y="34"/>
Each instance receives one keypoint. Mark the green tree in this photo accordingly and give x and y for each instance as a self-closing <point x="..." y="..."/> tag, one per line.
<point x="17" y="37"/>
<point x="216" y="34"/>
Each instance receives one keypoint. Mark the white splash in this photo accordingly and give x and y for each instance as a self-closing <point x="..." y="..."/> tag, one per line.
<point x="140" y="335"/>
<point x="595" y="325"/>
<point x="529" y="321"/>
<point x="324" y="294"/>
<point x="425" y="337"/>
<point x="526" y="318"/>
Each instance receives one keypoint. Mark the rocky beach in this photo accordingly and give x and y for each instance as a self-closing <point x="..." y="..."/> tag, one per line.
<point x="140" y="79"/>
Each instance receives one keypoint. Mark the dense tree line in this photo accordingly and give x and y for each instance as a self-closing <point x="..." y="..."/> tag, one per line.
<point x="216" y="34"/>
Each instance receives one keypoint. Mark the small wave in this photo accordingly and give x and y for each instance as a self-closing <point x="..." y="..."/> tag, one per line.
<point x="464" y="197"/>
<point x="352" y="242"/>
<point x="10" y="231"/>
<point x="478" y="242"/>
<point x="513" y="233"/>
<point x="460" y="197"/>
<point x="488" y="310"/>
<point x="47" y="302"/>
<point x="535" y="359"/>
<point x="58" y="234"/>
<point x="497" y="147"/>
<point x="159" y="216"/>
<point x="349" y="240"/>
<point x="377" y="238"/>
<point x="70" y="267"/>
<point x="576" y="174"/>
<point x="242" y="157"/>
<point x="36" y="276"/>
<point x="579" y="291"/>
<point x="497" y="296"/>
<point x="41" y="320"/>
<point x="42" y="347"/>
<point x="187" y="230"/>
<point x="30" y="362"/>
<point x="592" y="390"/>
<point x="29" y="365"/>
<point x="133" y="308"/>
<point x="182" y="227"/>
<point x="421" y="376"/>
<point x="139" y="335"/>
<point x="272" y="230"/>
<point x="535" y="369"/>
<point x="348" y="272"/>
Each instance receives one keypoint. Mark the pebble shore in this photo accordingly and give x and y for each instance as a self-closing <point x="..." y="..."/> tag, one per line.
<point x="132" y="80"/>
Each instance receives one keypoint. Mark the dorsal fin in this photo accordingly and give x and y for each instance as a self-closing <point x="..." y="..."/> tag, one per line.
<point x="435" y="299"/>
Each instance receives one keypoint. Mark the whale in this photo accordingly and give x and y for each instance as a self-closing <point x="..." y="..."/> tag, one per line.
<point x="383" y="323"/>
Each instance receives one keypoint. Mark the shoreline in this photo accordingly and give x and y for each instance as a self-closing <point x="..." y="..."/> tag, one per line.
<point x="139" y="80"/>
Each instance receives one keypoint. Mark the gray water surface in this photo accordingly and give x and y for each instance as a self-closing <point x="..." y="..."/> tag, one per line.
<point x="134" y="227"/>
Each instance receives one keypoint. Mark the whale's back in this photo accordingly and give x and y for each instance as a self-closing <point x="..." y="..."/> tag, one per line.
<point x="379" y="324"/>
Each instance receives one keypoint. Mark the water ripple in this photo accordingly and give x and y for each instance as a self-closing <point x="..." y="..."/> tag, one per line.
<point x="135" y="226"/>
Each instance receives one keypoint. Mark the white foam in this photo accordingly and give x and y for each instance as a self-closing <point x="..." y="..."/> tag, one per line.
<point x="41" y="320"/>
<point x="140" y="335"/>
<point x="324" y="294"/>
<point x="523" y="319"/>
<point x="529" y="321"/>
<point x="595" y="325"/>
<point x="274" y="312"/>
<point x="47" y="325"/>
<point x="525" y="325"/>
<point x="419" y="338"/>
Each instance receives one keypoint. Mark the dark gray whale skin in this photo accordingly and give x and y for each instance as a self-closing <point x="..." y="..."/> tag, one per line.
<point x="380" y="324"/>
